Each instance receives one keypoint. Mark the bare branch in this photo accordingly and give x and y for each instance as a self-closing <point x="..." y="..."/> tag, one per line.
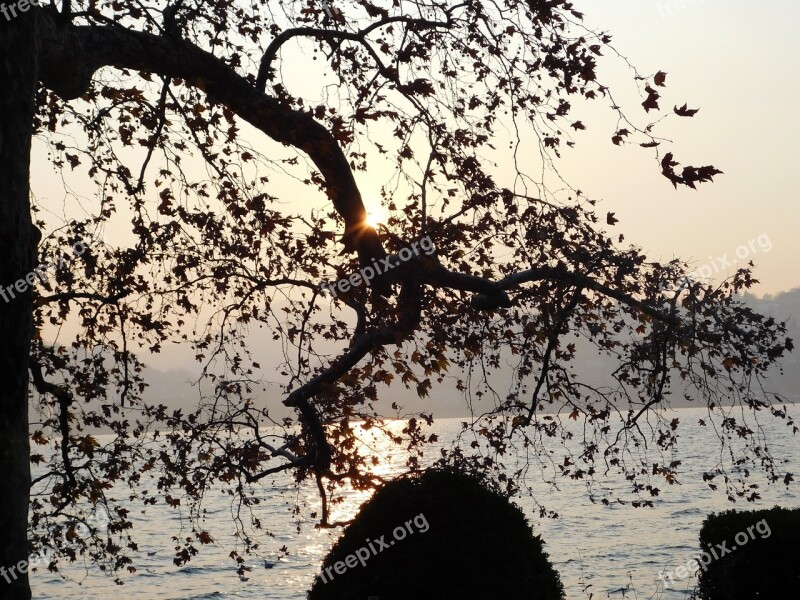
<point x="265" y="71"/>
<point x="65" y="399"/>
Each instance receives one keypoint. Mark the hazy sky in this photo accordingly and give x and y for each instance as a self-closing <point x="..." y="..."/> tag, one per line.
<point x="734" y="60"/>
<point x="737" y="61"/>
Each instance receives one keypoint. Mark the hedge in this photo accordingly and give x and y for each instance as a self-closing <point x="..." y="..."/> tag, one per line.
<point x="767" y="565"/>
<point x="477" y="545"/>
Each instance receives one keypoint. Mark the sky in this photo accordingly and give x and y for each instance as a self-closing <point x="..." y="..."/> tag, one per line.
<point x="734" y="60"/>
<point x="731" y="59"/>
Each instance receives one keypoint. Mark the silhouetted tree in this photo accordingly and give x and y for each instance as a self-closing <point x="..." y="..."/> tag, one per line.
<point x="136" y="97"/>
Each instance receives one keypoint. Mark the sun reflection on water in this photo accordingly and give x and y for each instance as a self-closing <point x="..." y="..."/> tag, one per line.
<point x="374" y="442"/>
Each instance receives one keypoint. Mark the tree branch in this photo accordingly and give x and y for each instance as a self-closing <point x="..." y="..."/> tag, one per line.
<point x="362" y="345"/>
<point x="87" y="295"/>
<point x="70" y="55"/>
<point x="491" y="292"/>
<point x="64" y="398"/>
<point x="265" y="71"/>
<point x="558" y="330"/>
<point x="578" y="279"/>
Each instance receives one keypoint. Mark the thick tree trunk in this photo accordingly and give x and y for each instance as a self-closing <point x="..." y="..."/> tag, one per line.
<point x="18" y="75"/>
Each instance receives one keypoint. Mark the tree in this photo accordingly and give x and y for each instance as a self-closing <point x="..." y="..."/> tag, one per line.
<point x="17" y="243"/>
<point x="133" y="97"/>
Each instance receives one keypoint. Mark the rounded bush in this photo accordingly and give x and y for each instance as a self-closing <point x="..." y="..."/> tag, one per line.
<point x="755" y="555"/>
<point x="438" y="535"/>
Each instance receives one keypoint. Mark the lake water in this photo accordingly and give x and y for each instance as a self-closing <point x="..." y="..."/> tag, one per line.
<point x="608" y="551"/>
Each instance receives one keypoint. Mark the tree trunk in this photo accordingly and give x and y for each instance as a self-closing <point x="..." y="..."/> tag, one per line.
<point x="18" y="76"/>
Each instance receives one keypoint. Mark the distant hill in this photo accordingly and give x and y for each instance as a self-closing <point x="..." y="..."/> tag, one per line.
<point x="175" y="388"/>
<point x="784" y="307"/>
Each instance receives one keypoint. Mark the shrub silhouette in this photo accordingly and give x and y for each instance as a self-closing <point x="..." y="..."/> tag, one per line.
<point x="478" y="545"/>
<point x="763" y="567"/>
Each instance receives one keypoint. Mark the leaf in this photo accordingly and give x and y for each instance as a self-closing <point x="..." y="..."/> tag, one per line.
<point x="205" y="537"/>
<point x="574" y="415"/>
<point x="87" y="445"/>
<point x="651" y="102"/>
<point x="73" y="160"/>
<point x="660" y="79"/>
<point x="610" y="219"/>
<point x="619" y="135"/>
<point x="374" y="11"/>
<point x="420" y="86"/>
<point x="690" y="175"/>
<point x="578" y="125"/>
<point x="652" y="144"/>
<point x="685" y="111"/>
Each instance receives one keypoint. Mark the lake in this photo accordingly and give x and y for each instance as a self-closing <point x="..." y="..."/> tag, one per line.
<point x="606" y="551"/>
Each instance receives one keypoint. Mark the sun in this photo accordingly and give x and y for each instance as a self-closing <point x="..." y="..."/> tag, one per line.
<point x="376" y="215"/>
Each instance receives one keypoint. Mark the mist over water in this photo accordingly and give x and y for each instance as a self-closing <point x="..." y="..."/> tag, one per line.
<point x="605" y="547"/>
